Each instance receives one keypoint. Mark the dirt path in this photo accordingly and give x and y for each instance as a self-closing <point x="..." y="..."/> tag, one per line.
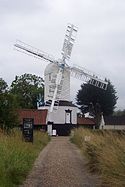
<point x="60" y="164"/>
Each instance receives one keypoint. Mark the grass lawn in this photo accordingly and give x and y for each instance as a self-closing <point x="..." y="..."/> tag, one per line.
<point x="17" y="157"/>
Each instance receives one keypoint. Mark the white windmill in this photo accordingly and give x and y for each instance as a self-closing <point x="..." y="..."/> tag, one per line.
<point x="57" y="78"/>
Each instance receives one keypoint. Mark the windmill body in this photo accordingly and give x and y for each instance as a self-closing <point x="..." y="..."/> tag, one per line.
<point x="64" y="112"/>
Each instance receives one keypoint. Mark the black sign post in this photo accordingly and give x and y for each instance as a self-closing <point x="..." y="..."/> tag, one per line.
<point x="27" y="131"/>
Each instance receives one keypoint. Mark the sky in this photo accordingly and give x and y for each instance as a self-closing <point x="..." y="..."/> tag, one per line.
<point x="99" y="46"/>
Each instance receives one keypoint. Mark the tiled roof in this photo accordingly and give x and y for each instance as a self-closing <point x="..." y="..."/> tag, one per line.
<point x="85" y="121"/>
<point x="39" y="116"/>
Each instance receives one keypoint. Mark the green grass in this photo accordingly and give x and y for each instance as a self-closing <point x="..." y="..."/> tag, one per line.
<point x="17" y="157"/>
<point x="105" y="151"/>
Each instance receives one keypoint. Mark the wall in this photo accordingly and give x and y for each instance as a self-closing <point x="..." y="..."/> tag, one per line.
<point x="117" y="127"/>
<point x="58" y="117"/>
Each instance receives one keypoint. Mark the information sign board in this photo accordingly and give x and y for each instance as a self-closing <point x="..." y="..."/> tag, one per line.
<point x="28" y="124"/>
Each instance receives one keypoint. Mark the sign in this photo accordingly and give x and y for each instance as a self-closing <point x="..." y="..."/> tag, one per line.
<point x="27" y="132"/>
<point x="54" y="132"/>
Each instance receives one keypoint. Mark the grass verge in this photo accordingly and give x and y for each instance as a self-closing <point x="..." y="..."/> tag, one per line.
<point x="105" y="151"/>
<point x="17" y="157"/>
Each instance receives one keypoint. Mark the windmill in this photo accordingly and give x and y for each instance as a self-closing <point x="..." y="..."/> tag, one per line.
<point x="57" y="73"/>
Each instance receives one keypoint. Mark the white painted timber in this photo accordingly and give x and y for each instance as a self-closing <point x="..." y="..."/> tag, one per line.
<point x="50" y="75"/>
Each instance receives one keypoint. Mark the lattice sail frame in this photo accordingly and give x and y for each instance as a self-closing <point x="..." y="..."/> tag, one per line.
<point x="69" y="40"/>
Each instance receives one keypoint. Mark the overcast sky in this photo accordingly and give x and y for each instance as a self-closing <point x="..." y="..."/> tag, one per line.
<point x="99" y="47"/>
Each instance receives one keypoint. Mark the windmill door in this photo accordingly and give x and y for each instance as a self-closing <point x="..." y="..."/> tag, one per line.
<point x="68" y="117"/>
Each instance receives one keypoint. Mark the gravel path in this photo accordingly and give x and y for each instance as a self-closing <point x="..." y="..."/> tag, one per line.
<point x="60" y="164"/>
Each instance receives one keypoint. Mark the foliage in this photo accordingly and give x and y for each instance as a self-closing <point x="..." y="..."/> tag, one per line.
<point x="17" y="157"/>
<point x="8" y="115"/>
<point x="105" y="151"/>
<point x="27" y="87"/>
<point x="3" y="86"/>
<point x="90" y="94"/>
<point x="8" y="105"/>
<point x="23" y="94"/>
<point x="119" y="113"/>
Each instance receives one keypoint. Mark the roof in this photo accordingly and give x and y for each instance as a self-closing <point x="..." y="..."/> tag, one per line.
<point x="85" y="121"/>
<point x="114" y="120"/>
<point x="39" y="116"/>
<point x="109" y="120"/>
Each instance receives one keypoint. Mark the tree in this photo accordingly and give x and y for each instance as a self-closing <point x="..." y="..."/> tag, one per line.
<point x="8" y="106"/>
<point x="3" y="86"/>
<point x="27" y="87"/>
<point x="119" y="113"/>
<point x="8" y="112"/>
<point x="105" y="98"/>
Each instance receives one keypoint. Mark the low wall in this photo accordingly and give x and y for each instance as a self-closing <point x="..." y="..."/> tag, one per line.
<point x="117" y="127"/>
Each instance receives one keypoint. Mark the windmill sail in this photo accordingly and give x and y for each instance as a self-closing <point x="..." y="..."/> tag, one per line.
<point x="88" y="77"/>
<point x="69" y="41"/>
<point x="28" y="49"/>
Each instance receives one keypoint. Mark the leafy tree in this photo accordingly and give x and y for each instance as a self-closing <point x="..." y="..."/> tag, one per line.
<point x="105" y="99"/>
<point x="3" y="86"/>
<point x="119" y="113"/>
<point x="8" y="108"/>
<point x="27" y="87"/>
